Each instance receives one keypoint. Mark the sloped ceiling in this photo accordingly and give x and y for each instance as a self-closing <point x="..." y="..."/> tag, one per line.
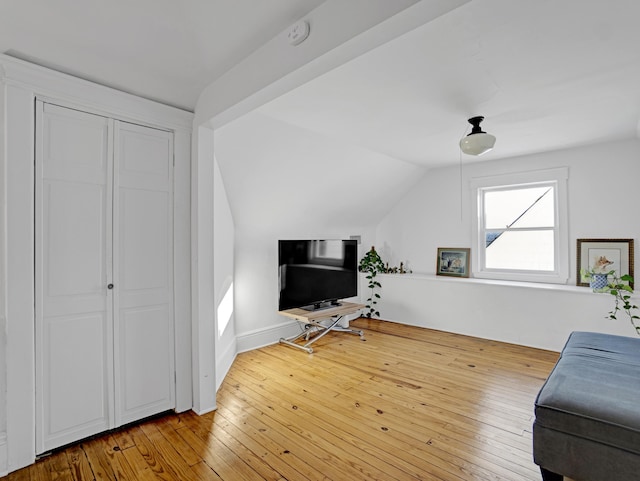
<point x="288" y="179"/>
<point x="164" y="50"/>
<point x="547" y="75"/>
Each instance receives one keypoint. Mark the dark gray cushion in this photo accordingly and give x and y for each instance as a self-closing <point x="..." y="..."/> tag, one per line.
<point x="594" y="391"/>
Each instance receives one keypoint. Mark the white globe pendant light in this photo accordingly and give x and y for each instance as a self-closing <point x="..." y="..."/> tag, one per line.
<point x="477" y="142"/>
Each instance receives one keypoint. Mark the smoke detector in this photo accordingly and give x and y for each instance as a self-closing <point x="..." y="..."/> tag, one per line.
<point x="298" y="32"/>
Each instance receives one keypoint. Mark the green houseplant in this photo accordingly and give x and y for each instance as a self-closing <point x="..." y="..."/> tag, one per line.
<point x="620" y="287"/>
<point x="372" y="265"/>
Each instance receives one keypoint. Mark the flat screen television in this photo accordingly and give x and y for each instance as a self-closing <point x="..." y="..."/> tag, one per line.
<point x="316" y="274"/>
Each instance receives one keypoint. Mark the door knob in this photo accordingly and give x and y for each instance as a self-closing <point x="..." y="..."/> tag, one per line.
<point x="110" y="286"/>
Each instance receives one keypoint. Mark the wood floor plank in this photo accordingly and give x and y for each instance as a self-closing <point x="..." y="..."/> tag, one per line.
<point x="79" y="464"/>
<point x="39" y="471"/>
<point x="107" y="460"/>
<point x="100" y="463"/>
<point x="60" y="469"/>
<point x="224" y="462"/>
<point x="405" y="404"/>
<point x="186" y="451"/>
<point x="204" y="472"/>
<point x="170" y="460"/>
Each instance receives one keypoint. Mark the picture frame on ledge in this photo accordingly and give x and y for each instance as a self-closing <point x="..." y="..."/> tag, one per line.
<point x="604" y="255"/>
<point x="453" y="262"/>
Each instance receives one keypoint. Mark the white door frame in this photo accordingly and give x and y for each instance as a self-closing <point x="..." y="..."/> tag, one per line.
<point x="22" y="83"/>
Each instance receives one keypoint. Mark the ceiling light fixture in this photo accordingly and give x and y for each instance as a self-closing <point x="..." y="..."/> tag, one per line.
<point x="477" y="142"/>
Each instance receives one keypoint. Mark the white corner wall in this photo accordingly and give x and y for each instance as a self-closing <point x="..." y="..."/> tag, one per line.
<point x="271" y="71"/>
<point x="202" y="272"/>
<point x="223" y="277"/>
<point x="3" y="287"/>
<point x="602" y="204"/>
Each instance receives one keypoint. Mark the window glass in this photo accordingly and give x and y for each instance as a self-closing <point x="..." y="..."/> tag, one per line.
<point x="523" y="207"/>
<point x="521" y="250"/>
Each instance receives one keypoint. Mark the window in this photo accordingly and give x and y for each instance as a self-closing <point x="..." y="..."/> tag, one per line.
<point x="521" y="227"/>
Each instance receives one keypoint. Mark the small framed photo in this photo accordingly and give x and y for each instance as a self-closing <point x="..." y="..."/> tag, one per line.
<point x="602" y="256"/>
<point x="453" y="262"/>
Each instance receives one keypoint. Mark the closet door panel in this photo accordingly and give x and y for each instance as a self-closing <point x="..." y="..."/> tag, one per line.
<point x="76" y="262"/>
<point x="73" y="306"/>
<point x="76" y="348"/>
<point x="144" y="220"/>
<point x="143" y="254"/>
<point x="144" y="361"/>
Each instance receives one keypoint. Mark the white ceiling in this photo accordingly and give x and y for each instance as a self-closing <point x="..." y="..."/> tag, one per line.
<point x="165" y="50"/>
<point x="546" y="75"/>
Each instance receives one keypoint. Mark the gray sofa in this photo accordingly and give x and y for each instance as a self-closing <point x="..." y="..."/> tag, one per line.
<point x="587" y="414"/>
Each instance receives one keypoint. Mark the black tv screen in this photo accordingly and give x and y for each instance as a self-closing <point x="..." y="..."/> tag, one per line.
<point x="316" y="273"/>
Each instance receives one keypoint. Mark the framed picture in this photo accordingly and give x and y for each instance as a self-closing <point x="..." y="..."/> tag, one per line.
<point x="453" y="262"/>
<point x="604" y="255"/>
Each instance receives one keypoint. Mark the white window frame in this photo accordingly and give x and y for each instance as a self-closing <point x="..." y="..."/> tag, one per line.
<point x="556" y="177"/>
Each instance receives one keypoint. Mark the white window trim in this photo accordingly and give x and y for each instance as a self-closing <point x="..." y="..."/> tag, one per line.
<point x="560" y="176"/>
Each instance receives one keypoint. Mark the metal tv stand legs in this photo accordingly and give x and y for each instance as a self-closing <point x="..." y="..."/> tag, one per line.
<point x="314" y="331"/>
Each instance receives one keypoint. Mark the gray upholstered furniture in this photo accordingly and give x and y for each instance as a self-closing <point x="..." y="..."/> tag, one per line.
<point x="587" y="424"/>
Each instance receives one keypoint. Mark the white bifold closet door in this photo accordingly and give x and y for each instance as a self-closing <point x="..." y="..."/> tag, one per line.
<point x="104" y="274"/>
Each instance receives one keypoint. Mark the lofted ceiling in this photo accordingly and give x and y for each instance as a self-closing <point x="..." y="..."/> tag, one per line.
<point x="164" y="50"/>
<point x="546" y="74"/>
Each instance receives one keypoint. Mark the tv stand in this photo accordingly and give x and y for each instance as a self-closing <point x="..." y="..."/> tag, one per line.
<point x="321" y="305"/>
<point x="313" y="329"/>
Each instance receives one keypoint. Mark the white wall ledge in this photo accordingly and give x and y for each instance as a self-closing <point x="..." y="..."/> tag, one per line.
<point x="526" y="313"/>
<point x="491" y="282"/>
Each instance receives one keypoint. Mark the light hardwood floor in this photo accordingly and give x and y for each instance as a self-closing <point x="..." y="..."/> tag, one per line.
<point x="405" y="404"/>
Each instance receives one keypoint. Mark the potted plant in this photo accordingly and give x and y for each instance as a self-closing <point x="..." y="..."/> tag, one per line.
<point x="620" y="287"/>
<point x="372" y="265"/>
<point x="598" y="275"/>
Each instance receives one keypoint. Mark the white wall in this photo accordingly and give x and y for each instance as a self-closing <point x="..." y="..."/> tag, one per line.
<point x="285" y="182"/>
<point x="3" y="286"/>
<point x="223" y="255"/>
<point x="202" y="273"/>
<point x="602" y="179"/>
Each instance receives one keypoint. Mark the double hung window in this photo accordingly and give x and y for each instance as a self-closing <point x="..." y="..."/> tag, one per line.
<point x="521" y="226"/>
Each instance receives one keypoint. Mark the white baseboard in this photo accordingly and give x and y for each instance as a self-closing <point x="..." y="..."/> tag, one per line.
<point x="267" y="336"/>
<point x="4" y="467"/>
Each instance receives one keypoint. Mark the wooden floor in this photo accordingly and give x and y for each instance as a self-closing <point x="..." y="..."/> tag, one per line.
<point x="406" y="403"/>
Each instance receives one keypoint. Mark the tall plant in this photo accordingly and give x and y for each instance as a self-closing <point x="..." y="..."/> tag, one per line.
<point x="372" y="264"/>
